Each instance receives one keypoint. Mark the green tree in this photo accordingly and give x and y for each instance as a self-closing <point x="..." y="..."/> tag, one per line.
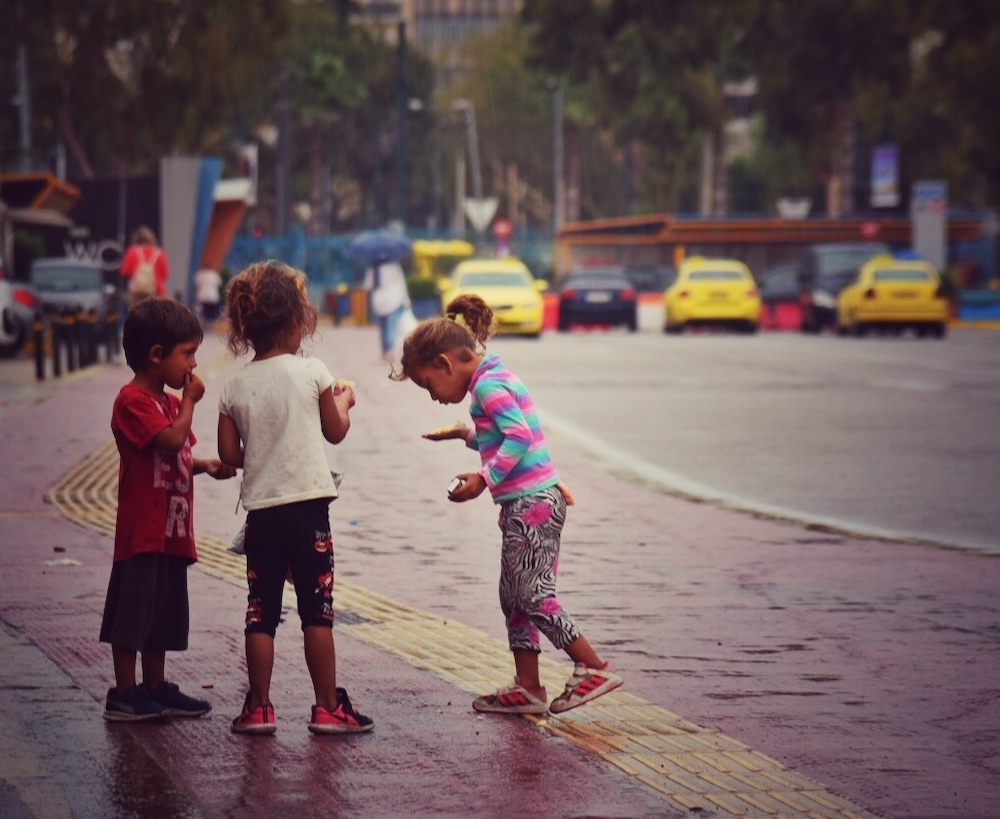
<point x="948" y="125"/>
<point x="655" y="71"/>
<point x="121" y="82"/>
<point x="822" y="66"/>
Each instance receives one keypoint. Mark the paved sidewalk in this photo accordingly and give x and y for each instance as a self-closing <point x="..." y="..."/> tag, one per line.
<point x="418" y="635"/>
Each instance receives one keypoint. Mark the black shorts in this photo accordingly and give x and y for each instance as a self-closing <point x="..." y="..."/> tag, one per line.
<point x="292" y="537"/>
<point x="147" y="604"/>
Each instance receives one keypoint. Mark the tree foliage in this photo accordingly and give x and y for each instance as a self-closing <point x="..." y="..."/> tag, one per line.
<point x="122" y="82"/>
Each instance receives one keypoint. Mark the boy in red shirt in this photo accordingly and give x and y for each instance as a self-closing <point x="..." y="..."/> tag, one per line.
<point x="146" y="610"/>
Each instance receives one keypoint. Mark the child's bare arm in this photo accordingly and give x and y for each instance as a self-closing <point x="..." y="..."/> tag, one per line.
<point x="173" y="437"/>
<point x="230" y="446"/>
<point x="334" y="411"/>
<point x="214" y="468"/>
<point x="458" y="431"/>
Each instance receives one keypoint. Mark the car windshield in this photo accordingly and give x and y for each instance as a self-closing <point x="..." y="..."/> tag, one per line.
<point x="836" y="282"/>
<point x="606" y="282"/>
<point x="716" y="276"/>
<point x="897" y="275"/>
<point x="494" y="278"/>
<point x="66" y="279"/>
<point x="848" y="258"/>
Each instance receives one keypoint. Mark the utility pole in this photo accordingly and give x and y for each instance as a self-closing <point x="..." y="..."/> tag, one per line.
<point x="558" y="183"/>
<point x="402" y="107"/>
<point x="23" y="93"/>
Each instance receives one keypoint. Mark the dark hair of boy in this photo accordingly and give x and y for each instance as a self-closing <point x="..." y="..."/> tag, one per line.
<point x="166" y="322"/>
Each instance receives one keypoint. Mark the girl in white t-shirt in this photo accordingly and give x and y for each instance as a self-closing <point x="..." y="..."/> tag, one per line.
<point x="274" y="415"/>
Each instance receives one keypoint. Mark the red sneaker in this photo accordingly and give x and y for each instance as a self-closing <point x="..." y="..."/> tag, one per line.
<point x="511" y="699"/>
<point x="585" y="685"/>
<point x="255" y="720"/>
<point x="343" y="720"/>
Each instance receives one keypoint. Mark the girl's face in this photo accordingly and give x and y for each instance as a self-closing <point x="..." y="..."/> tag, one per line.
<point x="445" y="380"/>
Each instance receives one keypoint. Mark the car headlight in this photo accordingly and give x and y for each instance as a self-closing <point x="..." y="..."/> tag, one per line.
<point x="823" y="299"/>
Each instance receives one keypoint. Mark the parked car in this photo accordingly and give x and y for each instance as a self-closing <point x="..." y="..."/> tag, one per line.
<point x="781" y="307"/>
<point x="712" y="292"/>
<point x="61" y="284"/>
<point x="892" y="295"/>
<point x="824" y="271"/>
<point x="598" y="297"/>
<point x="17" y="312"/>
<point x="507" y="286"/>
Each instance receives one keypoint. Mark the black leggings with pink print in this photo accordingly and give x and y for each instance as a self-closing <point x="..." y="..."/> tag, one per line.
<point x="292" y="537"/>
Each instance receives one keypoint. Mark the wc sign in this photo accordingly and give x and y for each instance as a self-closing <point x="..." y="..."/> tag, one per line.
<point x="929" y="220"/>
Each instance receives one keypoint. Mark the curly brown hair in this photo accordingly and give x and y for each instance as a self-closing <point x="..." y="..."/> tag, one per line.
<point x="265" y="302"/>
<point x="447" y="335"/>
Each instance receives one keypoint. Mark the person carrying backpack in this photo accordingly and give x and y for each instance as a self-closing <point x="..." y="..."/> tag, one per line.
<point x="144" y="267"/>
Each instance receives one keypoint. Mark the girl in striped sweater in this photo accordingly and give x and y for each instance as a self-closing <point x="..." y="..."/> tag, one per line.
<point x="447" y="358"/>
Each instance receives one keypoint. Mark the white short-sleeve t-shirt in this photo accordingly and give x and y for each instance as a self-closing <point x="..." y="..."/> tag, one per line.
<point x="275" y="406"/>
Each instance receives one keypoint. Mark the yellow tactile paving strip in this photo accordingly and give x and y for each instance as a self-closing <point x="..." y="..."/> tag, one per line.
<point x="692" y="768"/>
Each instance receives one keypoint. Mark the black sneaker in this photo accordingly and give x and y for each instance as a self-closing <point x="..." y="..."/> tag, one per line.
<point x="176" y="704"/>
<point x="133" y="705"/>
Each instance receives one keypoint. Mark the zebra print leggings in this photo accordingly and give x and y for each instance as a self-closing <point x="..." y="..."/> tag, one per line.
<point x="529" y="562"/>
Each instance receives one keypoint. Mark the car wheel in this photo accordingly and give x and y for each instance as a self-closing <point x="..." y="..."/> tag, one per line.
<point x="633" y="324"/>
<point x="860" y="330"/>
<point x="17" y="333"/>
<point x="750" y="328"/>
<point x="940" y="330"/>
<point x="673" y="329"/>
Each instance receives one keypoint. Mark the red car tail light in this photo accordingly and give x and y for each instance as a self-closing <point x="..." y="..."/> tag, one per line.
<point x="25" y="298"/>
<point x="752" y="292"/>
<point x="569" y="294"/>
<point x="628" y="294"/>
<point x="684" y="294"/>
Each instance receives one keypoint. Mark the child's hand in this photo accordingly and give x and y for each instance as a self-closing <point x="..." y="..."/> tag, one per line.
<point x="219" y="470"/>
<point x="472" y="486"/>
<point x="458" y="430"/>
<point x="194" y="388"/>
<point x="344" y="391"/>
<point x="567" y="493"/>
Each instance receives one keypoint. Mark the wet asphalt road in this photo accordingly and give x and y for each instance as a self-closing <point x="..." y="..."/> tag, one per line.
<point x="883" y="436"/>
<point x="869" y="665"/>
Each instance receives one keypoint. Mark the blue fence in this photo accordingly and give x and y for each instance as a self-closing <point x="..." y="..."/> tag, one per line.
<point x="325" y="261"/>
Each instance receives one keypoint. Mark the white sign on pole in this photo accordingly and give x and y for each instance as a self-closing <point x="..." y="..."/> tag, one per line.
<point x="929" y="219"/>
<point x="481" y="211"/>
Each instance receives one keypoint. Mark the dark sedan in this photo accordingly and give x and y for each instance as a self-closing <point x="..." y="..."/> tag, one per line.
<point x="605" y="298"/>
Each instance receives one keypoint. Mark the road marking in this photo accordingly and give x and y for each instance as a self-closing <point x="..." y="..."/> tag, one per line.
<point x="690" y="767"/>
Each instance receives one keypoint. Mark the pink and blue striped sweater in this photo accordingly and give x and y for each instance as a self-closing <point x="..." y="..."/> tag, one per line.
<point x="507" y="434"/>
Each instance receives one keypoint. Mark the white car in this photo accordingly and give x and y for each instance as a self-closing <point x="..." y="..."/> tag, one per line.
<point x="17" y="311"/>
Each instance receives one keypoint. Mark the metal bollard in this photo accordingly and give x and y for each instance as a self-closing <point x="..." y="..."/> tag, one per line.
<point x="58" y="342"/>
<point x="89" y="344"/>
<point x="72" y="334"/>
<point x="38" y="334"/>
<point x="111" y="336"/>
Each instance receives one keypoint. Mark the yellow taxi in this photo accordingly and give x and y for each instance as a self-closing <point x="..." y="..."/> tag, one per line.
<point x="507" y="286"/>
<point x="890" y="294"/>
<point x="712" y="292"/>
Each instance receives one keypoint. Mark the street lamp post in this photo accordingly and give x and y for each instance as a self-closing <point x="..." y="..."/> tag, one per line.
<point x="558" y="202"/>
<point x="479" y="209"/>
<point x="469" y="112"/>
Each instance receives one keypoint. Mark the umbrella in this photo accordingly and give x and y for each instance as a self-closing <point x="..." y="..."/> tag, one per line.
<point x="371" y="246"/>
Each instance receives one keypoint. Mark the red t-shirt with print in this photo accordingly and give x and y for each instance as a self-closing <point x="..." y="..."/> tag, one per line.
<point x="155" y="486"/>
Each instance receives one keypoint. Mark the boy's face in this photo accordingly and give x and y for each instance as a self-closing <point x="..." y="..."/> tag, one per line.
<point x="175" y="367"/>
